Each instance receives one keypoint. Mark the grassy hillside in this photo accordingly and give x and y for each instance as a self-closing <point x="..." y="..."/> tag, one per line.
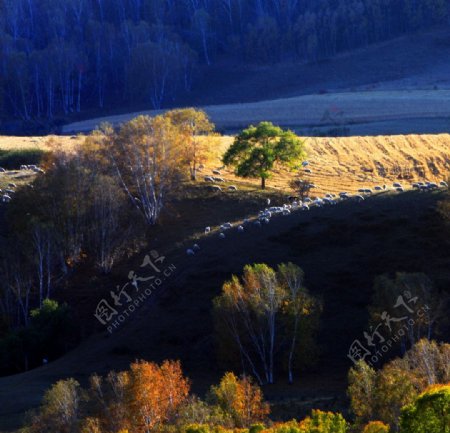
<point x="342" y="249"/>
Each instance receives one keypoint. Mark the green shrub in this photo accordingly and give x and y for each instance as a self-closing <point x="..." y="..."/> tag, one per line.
<point x="12" y="159"/>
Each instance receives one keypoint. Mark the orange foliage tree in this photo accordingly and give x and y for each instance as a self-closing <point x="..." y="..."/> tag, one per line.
<point x="155" y="393"/>
<point x="241" y="399"/>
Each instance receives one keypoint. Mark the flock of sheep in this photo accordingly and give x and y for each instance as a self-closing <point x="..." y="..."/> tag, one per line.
<point x="304" y="204"/>
<point x="6" y="194"/>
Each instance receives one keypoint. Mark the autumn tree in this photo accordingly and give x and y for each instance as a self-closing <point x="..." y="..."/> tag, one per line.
<point x="408" y="296"/>
<point x="429" y="413"/>
<point x="361" y="390"/>
<point x="323" y="422"/>
<point x="376" y="427"/>
<point x="241" y="399"/>
<point x="258" y="149"/>
<point x="60" y="409"/>
<point x="145" y="158"/>
<point x="261" y="315"/>
<point x="154" y="394"/>
<point x="194" y="128"/>
<point x="381" y="395"/>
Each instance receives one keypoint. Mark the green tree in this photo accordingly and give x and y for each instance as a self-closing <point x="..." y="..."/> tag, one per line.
<point x="324" y="422"/>
<point x="429" y="413"/>
<point x="257" y="149"/>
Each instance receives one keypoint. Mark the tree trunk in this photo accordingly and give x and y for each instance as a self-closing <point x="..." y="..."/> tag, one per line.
<point x="263" y="183"/>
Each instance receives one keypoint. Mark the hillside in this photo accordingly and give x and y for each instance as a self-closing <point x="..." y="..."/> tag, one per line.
<point x="402" y="227"/>
<point x="341" y="250"/>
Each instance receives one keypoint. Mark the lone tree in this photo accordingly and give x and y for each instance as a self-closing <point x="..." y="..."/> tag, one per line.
<point x="257" y="149"/>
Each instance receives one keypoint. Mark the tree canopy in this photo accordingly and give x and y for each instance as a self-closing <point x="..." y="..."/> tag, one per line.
<point x="257" y="149"/>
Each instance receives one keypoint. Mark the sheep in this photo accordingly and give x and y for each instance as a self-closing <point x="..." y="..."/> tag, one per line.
<point x="307" y="200"/>
<point x="10" y="191"/>
<point x="397" y="185"/>
<point x="6" y="198"/>
<point x="201" y="166"/>
<point x="226" y="226"/>
<point x="329" y="196"/>
<point x="292" y="198"/>
<point x="216" y="172"/>
<point x="38" y="170"/>
<point x="222" y="235"/>
<point x="215" y="188"/>
<point x="246" y="221"/>
<point x="24" y="167"/>
<point x="305" y="163"/>
<point x="12" y="185"/>
<point x="399" y="189"/>
<point x="190" y="252"/>
<point x="359" y="198"/>
<point x="232" y="188"/>
<point x="268" y="202"/>
<point x="266" y="220"/>
<point x="286" y="212"/>
<point x="416" y="185"/>
<point x="207" y="230"/>
<point x="33" y="167"/>
<point x="432" y="185"/>
<point x="308" y="170"/>
<point x="343" y="194"/>
<point x="368" y="191"/>
<point x="257" y="223"/>
<point x="241" y="229"/>
<point x="2" y="170"/>
<point x="196" y="247"/>
<point x="209" y="179"/>
<point x="305" y="207"/>
<point x="378" y="188"/>
<point x="219" y="179"/>
<point x="312" y="186"/>
<point x="444" y="184"/>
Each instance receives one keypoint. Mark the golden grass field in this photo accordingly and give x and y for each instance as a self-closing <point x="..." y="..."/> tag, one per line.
<point x="344" y="108"/>
<point x="337" y="164"/>
<point x="350" y="163"/>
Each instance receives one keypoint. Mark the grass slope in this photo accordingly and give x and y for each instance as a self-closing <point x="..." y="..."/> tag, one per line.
<point x="341" y="250"/>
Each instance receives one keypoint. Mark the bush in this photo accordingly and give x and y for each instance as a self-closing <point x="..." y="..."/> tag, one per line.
<point x="376" y="427"/>
<point x="12" y="159"/>
<point x="429" y="413"/>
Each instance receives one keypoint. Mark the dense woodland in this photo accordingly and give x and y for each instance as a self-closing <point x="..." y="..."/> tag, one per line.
<point x="61" y="57"/>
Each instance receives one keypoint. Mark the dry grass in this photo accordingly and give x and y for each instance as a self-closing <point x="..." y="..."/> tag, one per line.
<point x="337" y="164"/>
<point x="350" y="163"/>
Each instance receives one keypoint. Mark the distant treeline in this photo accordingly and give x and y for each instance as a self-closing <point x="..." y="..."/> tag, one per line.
<point x="59" y="57"/>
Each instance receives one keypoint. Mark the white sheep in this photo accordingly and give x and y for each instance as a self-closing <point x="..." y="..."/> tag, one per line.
<point x="305" y="163"/>
<point x="399" y="189"/>
<point x="268" y="202"/>
<point x="217" y="172"/>
<point x="222" y="235"/>
<point x="219" y="179"/>
<point x="10" y="191"/>
<point x="208" y="179"/>
<point x="12" y="185"/>
<point x="305" y="207"/>
<point x="444" y="184"/>
<point x="359" y="198"/>
<point x="226" y="226"/>
<point x="2" y="170"/>
<point x="215" y="188"/>
<point x="397" y="185"/>
<point x="232" y="188"/>
<point x="190" y="252"/>
<point x="307" y="170"/>
<point x="6" y="198"/>
<point x="241" y="229"/>
<point x="257" y="223"/>
<point x="196" y="247"/>
<point x="207" y="230"/>
<point x="286" y="212"/>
